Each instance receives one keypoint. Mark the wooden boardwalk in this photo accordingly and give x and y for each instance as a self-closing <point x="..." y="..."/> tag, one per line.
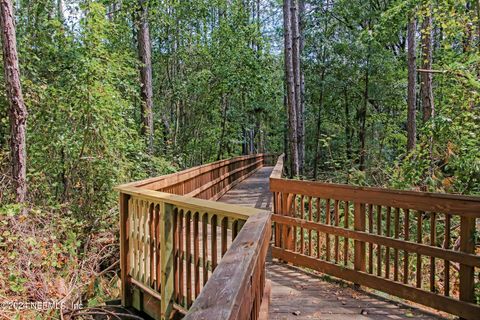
<point x="296" y="294"/>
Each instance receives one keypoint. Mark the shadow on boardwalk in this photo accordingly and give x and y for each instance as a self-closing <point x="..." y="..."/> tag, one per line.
<point x="297" y="294"/>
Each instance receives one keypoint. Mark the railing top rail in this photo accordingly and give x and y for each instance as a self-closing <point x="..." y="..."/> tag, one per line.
<point x="234" y="272"/>
<point x="278" y="169"/>
<point x="187" y="173"/>
<point x="193" y="204"/>
<point x="416" y="200"/>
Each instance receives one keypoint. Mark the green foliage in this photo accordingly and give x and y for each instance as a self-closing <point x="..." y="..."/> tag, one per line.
<point x="348" y="40"/>
<point x="214" y="76"/>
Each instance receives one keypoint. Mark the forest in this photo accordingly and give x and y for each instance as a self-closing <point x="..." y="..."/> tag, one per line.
<point x="96" y="93"/>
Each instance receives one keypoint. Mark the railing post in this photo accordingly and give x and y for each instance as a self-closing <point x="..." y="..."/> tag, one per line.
<point x="290" y="210"/>
<point x="359" y="222"/>
<point x="124" y="246"/>
<point x="276" y="196"/>
<point x="467" y="245"/>
<point x="166" y="259"/>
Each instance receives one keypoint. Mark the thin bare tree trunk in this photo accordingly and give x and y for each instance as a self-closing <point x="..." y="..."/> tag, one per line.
<point x="426" y="77"/>
<point x="363" y="118"/>
<point x="477" y="7"/>
<point x="412" y="79"/>
<point x="291" y="97"/>
<point x="319" y="123"/>
<point x="348" y="129"/>
<point x="296" y="44"/>
<point x="17" y="111"/>
<point x="302" y="87"/>
<point x="224" y="103"/>
<point x="145" y="56"/>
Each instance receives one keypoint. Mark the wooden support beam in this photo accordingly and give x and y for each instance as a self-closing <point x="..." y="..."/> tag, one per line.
<point x="124" y="250"/>
<point x="359" y="221"/>
<point x="467" y="273"/>
<point x="167" y="259"/>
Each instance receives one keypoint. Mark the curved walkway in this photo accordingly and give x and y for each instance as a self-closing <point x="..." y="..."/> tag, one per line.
<point x="297" y="294"/>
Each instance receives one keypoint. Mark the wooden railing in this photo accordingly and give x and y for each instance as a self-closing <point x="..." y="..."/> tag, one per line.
<point x="177" y="250"/>
<point x="236" y="289"/>
<point x="209" y="181"/>
<point x="376" y="238"/>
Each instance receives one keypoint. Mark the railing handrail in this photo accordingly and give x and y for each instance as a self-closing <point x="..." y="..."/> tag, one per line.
<point x="418" y="200"/>
<point x="442" y="202"/>
<point x="278" y="169"/>
<point x="183" y="175"/>
<point x="193" y="204"/>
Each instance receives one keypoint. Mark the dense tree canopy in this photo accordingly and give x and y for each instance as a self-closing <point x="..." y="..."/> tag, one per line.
<point x="379" y="93"/>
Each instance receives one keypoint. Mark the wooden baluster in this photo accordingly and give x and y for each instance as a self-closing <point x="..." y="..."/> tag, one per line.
<point x="188" y="249"/>
<point x="295" y="210"/>
<point x="138" y="257"/>
<point x="146" y="242"/>
<point x="319" y="242"/>
<point x="291" y="211"/>
<point x="151" y="237"/>
<point x="205" y="247"/>
<point x="158" y="245"/>
<point x="387" y="249"/>
<point x="224" y="235"/>
<point x="214" y="241"/>
<point x="302" y="212"/>
<point x="419" y="240"/>
<point x="196" y="253"/>
<point x="234" y="229"/>
<point x="125" y="247"/>
<point x="467" y="245"/>
<point x="433" y="234"/>
<point x="446" y="245"/>
<point x="131" y="237"/>
<point x="276" y="210"/>
<point x="346" y="212"/>
<point x="396" y="224"/>
<point x="310" y="216"/>
<point x="167" y="222"/>
<point x="181" y="283"/>
<point x="143" y="219"/>
<point x="337" y="222"/>
<point x="379" y="247"/>
<point x="285" y="212"/>
<point x="406" y="228"/>
<point x="370" y="244"/>
<point x="176" y="275"/>
<point x="133" y="204"/>
<point x="327" y="236"/>
<point x="359" y="225"/>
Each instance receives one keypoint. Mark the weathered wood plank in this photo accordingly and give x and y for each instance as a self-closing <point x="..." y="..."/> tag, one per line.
<point x="424" y="201"/>
<point x="447" y="304"/>
<point x="441" y="253"/>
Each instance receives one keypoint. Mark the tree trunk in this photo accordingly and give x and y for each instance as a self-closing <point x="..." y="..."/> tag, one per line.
<point x="17" y="109"/>
<point x="477" y="7"/>
<point x="319" y="123"/>
<point x="295" y="23"/>
<point x="224" y="126"/>
<point x="348" y="129"/>
<point x="426" y="77"/>
<point x="291" y="97"/>
<point x="145" y="56"/>
<point x="363" y="119"/>
<point x="412" y="78"/>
